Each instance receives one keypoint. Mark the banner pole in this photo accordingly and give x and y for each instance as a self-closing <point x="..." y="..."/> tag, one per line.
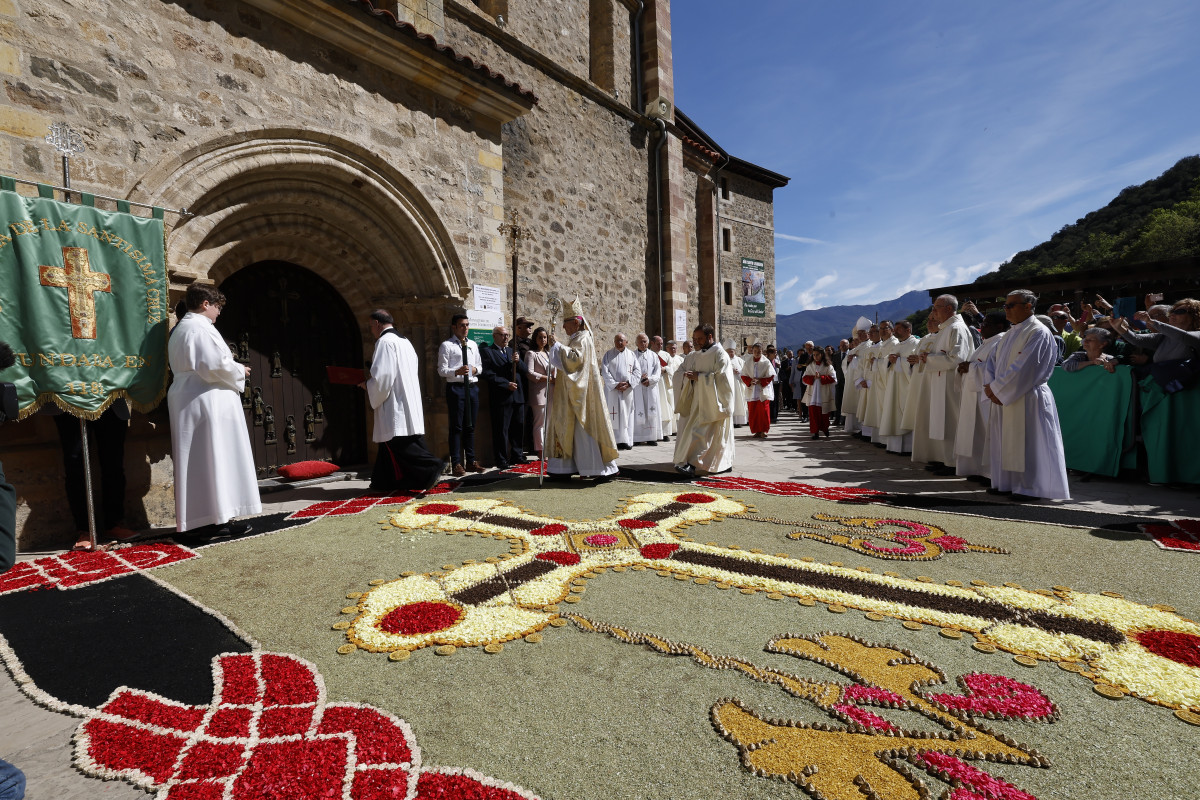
<point x="66" y="141"/>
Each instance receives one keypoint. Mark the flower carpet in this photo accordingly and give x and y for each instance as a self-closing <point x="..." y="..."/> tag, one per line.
<point x="724" y="638"/>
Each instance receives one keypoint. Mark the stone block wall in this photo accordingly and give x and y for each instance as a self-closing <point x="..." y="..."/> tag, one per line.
<point x="151" y="84"/>
<point x="748" y="214"/>
<point x="576" y="174"/>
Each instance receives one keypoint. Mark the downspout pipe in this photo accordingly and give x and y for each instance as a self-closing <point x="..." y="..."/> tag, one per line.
<point x="658" y="224"/>
<point x="718" y="241"/>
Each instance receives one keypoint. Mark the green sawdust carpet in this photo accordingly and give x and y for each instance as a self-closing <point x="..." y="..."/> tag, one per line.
<point x="653" y="640"/>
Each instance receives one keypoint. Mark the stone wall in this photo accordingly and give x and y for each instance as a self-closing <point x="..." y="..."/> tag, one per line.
<point x="286" y="147"/>
<point x="576" y="174"/>
<point x="749" y="216"/>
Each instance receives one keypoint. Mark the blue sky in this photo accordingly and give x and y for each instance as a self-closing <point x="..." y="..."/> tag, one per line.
<point x="929" y="141"/>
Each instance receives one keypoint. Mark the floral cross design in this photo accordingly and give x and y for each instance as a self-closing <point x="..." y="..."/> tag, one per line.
<point x="268" y="733"/>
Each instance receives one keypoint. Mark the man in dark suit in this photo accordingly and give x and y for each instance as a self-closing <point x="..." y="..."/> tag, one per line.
<point x="506" y="399"/>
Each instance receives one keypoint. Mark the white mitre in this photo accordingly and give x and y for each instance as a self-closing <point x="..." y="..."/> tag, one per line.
<point x="574" y="309"/>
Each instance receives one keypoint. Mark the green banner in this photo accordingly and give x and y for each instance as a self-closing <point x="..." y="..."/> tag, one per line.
<point x="83" y="304"/>
<point x="1094" y="408"/>
<point x="754" y="288"/>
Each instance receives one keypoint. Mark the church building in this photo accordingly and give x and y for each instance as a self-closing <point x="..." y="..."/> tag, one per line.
<point x="335" y="156"/>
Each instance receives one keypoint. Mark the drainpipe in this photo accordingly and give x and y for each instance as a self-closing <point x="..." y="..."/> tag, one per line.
<point x="720" y="245"/>
<point x="662" y="293"/>
<point x="635" y="22"/>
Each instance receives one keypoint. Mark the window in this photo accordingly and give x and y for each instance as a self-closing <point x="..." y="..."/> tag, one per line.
<point x="724" y="188"/>
<point x="602" y="68"/>
<point x="727" y="240"/>
<point x="728" y="293"/>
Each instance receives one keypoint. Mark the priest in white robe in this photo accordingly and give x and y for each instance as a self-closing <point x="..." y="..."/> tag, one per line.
<point x="579" y="436"/>
<point x="1026" y="441"/>
<point x="879" y="377"/>
<point x="917" y="401"/>
<point x="668" y="363"/>
<point x="215" y="480"/>
<point x="741" y="411"/>
<point x="705" y="442"/>
<point x="936" y="427"/>
<point x="851" y="369"/>
<point x="403" y="462"/>
<point x="647" y="418"/>
<point x="866" y="374"/>
<point x="620" y="372"/>
<point x="971" y="453"/>
<point x="897" y="376"/>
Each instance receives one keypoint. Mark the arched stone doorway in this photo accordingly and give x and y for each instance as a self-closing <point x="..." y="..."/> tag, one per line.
<point x="288" y="324"/>
<point x="334" y="208"/>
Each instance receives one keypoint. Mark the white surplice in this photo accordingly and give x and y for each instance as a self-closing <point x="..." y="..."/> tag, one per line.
<point x="706" y="412"/>
<point x="756" y="371"/>
<point x="647" y="418"/>
<point x="852" y="369"/>
<point x="394" y="389"/>
<point x="620" y="366"/>
<point x="879" y="375"/>
<point x="668" y="364"/>
<point x="215" y="479"/>
<point x="1025" y="444"/>
<point x="971" y="439"/>
<point x="933" y="433"/>
<point x="741" y="411"/>
<point x="896" y="381"/>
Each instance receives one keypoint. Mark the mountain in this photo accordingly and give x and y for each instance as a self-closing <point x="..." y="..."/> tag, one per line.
<point x="829" y="325"/>
<point x="1154" y="221"/>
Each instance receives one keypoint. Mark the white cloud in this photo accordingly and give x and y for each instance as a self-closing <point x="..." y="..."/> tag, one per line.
<point x="936" y="274"/>
<point x="804" y="239"/>
<point x="850" y="294"/>
<point x="808" y="298"/>
<point x="788" y="284"/>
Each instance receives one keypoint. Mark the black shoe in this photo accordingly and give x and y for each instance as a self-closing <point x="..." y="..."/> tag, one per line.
<point x="994" y="490"/>
<point x="685" y="469"/>
<point x="816" y="436"/>
<point x="436" y="477"/>
<point x="826" y="432"/>
<point x="666" y="438"/>
<point x="934" y="466"/>
<point x="624" y="447"/>
<point x="1024" y="498"/>
<point x="235" y="529"/>
<point x="879" y="444"/>
<point x="558" y="477"/>
<point x="945" y="472"/>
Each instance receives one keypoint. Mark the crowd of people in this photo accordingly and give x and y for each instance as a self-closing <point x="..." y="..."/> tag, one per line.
<point x="970" y="398"/>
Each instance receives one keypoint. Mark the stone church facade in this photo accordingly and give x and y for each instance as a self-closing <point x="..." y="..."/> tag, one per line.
<point x="334" y="156"/>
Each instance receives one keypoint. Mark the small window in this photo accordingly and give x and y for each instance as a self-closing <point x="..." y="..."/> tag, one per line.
<point x="728" y="293"/>
<point x="727" y="240"/>
<point x="724" y="188"/>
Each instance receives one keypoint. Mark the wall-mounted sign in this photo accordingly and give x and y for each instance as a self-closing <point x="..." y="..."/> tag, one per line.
<point x="487" y="298"/>
<point x="681" y="331"/>
<point x="754" y="288"/>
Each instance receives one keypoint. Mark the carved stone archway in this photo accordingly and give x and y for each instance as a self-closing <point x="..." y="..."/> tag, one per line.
<point x="324" y="203"/>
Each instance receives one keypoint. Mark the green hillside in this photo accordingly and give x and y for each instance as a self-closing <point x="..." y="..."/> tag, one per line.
<point x="1158" y="220"/>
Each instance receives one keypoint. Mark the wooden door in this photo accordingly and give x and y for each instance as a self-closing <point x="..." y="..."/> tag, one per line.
<point x="287" y="324"/>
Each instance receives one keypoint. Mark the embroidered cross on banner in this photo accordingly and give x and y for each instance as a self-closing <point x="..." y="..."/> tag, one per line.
<point x="81" y="283"/>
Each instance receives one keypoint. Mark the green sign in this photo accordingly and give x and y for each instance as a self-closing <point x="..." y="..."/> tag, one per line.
<point x="754" y="288"/>
<point x="83" y="303"/>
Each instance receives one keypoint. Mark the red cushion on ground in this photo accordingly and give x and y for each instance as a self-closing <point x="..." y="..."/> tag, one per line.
<point x="303" y="470"/>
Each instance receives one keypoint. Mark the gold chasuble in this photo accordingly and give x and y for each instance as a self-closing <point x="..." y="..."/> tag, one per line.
<point x="579" y="396"/>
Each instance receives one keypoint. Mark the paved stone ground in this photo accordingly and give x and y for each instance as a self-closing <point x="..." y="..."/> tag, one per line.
<point x="39" y="741"/>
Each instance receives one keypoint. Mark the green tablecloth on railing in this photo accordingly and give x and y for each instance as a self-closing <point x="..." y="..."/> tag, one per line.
<point x="1094" y="408"/>
<point x="1169" y="424"/>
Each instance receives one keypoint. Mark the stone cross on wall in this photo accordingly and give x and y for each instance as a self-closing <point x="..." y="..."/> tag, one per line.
<point x="81" y="283"/>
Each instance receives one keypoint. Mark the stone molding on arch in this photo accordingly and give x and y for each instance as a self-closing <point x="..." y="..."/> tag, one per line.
<point x="258" y="193"/>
